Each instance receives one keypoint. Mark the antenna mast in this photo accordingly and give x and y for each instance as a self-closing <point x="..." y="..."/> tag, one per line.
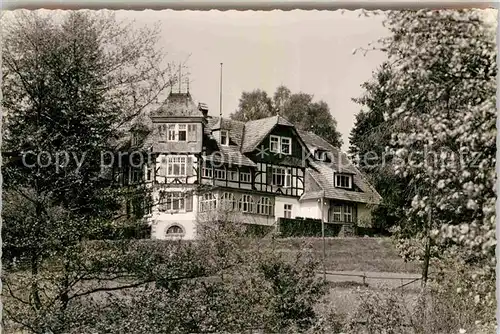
<point x="180" y="78"/>
<point x="220" y="101"/>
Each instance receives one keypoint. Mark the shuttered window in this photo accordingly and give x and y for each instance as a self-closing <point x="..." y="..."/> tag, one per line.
<point x="192" y="132"/>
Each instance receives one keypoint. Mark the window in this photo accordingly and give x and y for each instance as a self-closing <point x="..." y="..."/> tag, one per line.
<point x="281" y="145"/>
<point x="136" y="139"/>
<point x="227" y="201"/>
<point x="245" y="177"/>
<point x="177" y="132"/>
<point x="246" y="203"/>
<point x="149" y="173"/>
<point x="207" y="172"/>
<point x="176" y="166"/>
<point x="348" y="213"/>
<point x="275" y="144"/>
<point x="321" y="155"/>
<point x="171" y="132"/>
<point x="135" y="175"/>
<point x="264" y="206"/>
<point x="174" y="231"/>
<point x="220" y="174"/>
<point x="148" y="206"/>
<point x="343" y="213"/>
<point x="343" y="181"/>
<point x="224" y="138"/>
<point x="162" y="131"/>
<point x="287" y="211"/>
<point x="182" y="132"/>
<point x="232" y="175"/>
<point x="171" y="201"/>
<point x="208" y="202"/>
<point x="281" y="177"/>
<point x="337" y="213"/>
<point x="286" y="145"/>
<point x="192" y="130"/>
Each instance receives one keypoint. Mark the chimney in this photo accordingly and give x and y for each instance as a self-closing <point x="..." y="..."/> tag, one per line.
<point x="203" y="108"/>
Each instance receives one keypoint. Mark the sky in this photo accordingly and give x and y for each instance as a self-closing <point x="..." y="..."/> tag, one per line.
<point x="307" y="51"/>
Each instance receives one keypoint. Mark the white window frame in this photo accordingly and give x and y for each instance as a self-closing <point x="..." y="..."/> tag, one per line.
<point x="220" y="174"/>
<point x="289" y="145"/>
<point x="171" y="132"/>
<point x="182" y="128"/>
<point x="208" y="202"/>
<point x="174" y="130"/>
<point x="287" y="211"/>
<point x="338" y="180"/>
<point x="244" y="176"/>
<point x="224" y="134"/>
<point x="207" y="172"/>
<point x="232" y="175"/>
<point x="177" y="234"/>
<point x="283" y="173"/>
<point x="173" y="160"/>
<point x="168" y="199"/>
<point x="348" y="213"/>
<point x="277" y="141"/>
<point x="248" y="201"/>
<point x="336" y="214"/>
<point x="264" y="206"/>
<point x="227" y="201"/>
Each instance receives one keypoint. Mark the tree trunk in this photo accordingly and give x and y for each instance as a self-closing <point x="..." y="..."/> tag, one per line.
<point x="35" y="293"/>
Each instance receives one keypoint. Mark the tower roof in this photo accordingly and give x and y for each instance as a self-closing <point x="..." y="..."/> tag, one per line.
<point x="178" y="105"/>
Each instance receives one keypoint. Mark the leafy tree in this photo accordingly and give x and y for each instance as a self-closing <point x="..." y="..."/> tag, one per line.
<point x="253" y="105"/>
<point x="369" y="138"/>
<point x="445" y="73"/>
<point x="223" y="282"/>
<point x="298" y="108"/>
<point x="71" y="90"/>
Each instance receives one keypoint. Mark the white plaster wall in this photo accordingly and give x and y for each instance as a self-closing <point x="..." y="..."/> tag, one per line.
<point x="161" y="221"/>
<point x="310" y="209"/>
<point x="279" y="206"/>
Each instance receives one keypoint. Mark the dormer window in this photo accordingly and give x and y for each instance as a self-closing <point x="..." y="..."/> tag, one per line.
<point x="343" y="181"/>
<point x="135" y="139"/>
<point x="280" y="145"/>
<point x="321" y="155"/>
<point x="224" y="138"/>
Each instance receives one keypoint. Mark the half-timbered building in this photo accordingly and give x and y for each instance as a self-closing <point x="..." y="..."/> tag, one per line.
<point x="264" y="170"/>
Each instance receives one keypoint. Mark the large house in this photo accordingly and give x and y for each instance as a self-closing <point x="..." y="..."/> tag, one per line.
<point x="264" y="170"/>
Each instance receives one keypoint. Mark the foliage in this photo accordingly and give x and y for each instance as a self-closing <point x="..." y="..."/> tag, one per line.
<point x="379" y="312"/>
<point x="369" y="139"/>
<point x="437" y="95"/>
<point x="298" y="108"/>
<point x="444" y="65"/>
<point x="71" y="89"/>
<point x="223" y="282"/>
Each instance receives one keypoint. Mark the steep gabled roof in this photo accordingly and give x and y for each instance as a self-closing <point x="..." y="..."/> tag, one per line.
<point x="232" y="153"/>
<point x="322" y="173"/>
<point x="257" y="130"/>
<point x="340" y="161"/>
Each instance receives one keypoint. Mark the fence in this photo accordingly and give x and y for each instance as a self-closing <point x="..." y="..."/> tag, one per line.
<point x="404" y="280"/>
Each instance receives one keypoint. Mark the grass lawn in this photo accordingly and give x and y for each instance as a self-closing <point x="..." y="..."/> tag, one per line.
<point x="352" y="254"/>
